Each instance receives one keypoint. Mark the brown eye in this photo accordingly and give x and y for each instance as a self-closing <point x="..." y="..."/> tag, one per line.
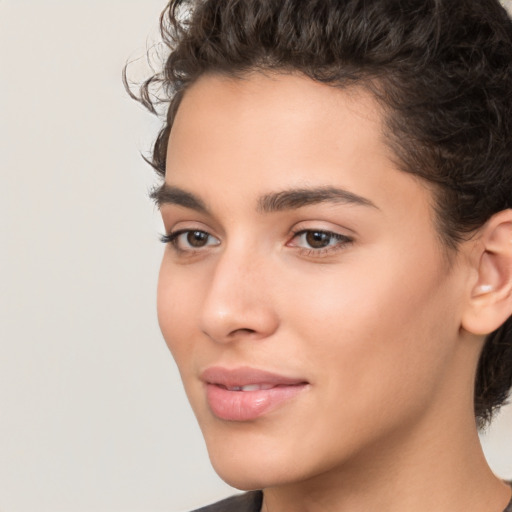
<point x="316" y="242"/>
<point x="190" y="240"/>
<point x="197" y="238"/>
<point x="318" y="239"/>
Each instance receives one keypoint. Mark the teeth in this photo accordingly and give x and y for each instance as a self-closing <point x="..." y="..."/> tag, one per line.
<point x="251" y="387"/>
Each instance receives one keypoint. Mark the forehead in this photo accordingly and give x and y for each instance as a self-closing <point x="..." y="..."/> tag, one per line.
<point x="282" y="113"/>
<point x="243" y="138"/>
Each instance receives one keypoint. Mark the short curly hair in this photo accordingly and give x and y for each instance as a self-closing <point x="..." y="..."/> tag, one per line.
<point x="441" y="69"/>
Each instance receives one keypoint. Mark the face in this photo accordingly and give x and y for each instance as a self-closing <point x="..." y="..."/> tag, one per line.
<point x="303" y="291"/>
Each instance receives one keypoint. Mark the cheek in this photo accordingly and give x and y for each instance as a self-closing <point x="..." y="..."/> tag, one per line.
<point x="175" y="299"/>
<point x="380" y="336"/>
<point x="178" y="297"/>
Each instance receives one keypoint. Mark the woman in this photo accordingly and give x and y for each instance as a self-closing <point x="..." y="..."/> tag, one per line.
<point x="337" y="284"/>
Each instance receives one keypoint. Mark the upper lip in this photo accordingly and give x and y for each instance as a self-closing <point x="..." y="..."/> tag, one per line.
<point x="246" y="376"/>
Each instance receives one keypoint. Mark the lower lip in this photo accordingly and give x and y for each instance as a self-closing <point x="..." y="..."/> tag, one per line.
<point x="248" y="405"/>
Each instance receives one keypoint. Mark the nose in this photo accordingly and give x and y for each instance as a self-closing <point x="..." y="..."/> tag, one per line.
<point x="238" y="302"/>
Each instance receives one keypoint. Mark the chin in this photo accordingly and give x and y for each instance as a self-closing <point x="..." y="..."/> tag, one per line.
<point x="250" y="460"/>
<point x="247" y="459"/>
<point x="248" y="476"/>
<point x="243" y="479"/>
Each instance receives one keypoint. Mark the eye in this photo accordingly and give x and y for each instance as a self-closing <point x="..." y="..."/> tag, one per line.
<point x="317" y="239"/>
<point x="190" y="239"/>
<point x="316" y="242"/>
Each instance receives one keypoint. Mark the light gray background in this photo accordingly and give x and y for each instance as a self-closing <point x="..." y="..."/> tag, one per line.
<point x="92" y="415"/>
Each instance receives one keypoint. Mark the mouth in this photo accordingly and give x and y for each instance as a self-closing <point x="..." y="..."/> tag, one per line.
<point x="248" y="387"/>
<point x="245" y="394"/>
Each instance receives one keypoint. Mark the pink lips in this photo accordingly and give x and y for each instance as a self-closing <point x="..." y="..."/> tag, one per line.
<point x="244" y="394"/>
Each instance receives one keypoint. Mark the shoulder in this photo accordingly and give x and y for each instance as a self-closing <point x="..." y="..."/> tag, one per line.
<point x="247" y="502"/>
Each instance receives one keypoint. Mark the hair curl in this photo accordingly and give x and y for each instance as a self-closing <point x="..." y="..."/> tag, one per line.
<point x="441" y="69"/>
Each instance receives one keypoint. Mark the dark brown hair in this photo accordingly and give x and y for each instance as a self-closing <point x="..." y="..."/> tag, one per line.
<point x="441" y="69"/>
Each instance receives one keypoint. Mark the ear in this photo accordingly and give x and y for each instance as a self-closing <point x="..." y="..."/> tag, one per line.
<point x="490" y="301"/>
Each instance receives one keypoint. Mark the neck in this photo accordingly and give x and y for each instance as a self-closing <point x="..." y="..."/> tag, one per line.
<point x="436" y="466"/>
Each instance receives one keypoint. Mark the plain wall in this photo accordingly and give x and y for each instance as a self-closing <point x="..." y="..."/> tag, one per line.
<point x="92" y="414"/>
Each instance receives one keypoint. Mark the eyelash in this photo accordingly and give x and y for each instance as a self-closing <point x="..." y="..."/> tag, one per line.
<point x="342" y="241"/>
<point x="172" y="239"/>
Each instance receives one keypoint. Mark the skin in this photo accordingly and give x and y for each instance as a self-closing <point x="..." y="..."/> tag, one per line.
<point x="373" y="322"/>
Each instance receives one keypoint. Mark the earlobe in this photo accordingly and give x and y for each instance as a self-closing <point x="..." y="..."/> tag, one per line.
<point x="490" y="303"/>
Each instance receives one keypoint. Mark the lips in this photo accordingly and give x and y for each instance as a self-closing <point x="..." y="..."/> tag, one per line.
<point x="245" y="394"/>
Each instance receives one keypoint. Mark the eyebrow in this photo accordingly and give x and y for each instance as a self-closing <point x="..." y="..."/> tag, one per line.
<point x="167" y="194"/>
<point x="273" y="202"/>
<point x="298" y="198"/>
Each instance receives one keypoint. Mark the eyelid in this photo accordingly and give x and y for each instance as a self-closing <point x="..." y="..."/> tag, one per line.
<point x="173" y="224"/>
<point x="324" y="227"/>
